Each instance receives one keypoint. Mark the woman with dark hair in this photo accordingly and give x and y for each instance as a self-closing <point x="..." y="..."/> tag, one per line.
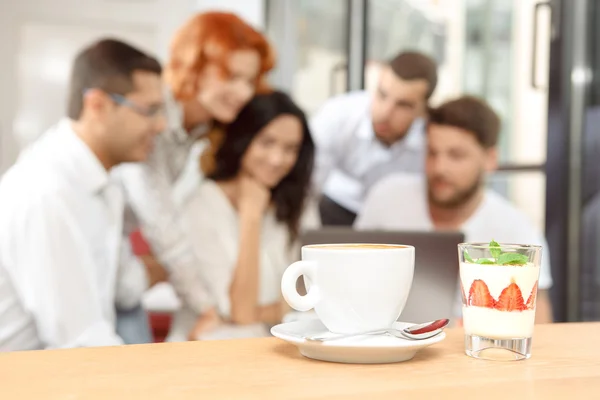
<point x="245" y="218"/>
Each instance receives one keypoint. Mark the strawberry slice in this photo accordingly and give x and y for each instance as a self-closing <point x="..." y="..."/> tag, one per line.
<point x="479" y="295"/>
<point x="511" y="299"/>
<point x="531" y="300"/>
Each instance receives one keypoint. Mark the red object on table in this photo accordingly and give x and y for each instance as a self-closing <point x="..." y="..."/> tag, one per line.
<point x="139" y="244"/>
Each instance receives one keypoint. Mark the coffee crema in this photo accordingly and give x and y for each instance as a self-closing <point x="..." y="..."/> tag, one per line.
<point x="355" y="246"/>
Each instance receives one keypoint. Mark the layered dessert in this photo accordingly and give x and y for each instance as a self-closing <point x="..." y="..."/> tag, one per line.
<point x="499" y="295"/>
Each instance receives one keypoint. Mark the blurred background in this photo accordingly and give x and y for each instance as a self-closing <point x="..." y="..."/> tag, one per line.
<point x="536" y="62"/>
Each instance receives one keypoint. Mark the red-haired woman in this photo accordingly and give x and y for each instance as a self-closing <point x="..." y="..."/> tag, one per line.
<point x="217" y="63"/>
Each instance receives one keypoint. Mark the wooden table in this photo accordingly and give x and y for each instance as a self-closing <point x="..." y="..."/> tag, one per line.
<point x="565" y="365"/>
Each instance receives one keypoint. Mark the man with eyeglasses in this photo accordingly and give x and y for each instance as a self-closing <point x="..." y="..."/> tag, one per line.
<point x="63" y="262"/>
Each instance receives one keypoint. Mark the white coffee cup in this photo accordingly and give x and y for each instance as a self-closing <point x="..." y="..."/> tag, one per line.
<point x="352" y="287"/>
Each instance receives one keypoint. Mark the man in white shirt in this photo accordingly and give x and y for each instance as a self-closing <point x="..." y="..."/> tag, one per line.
<point x="361" y="137"/>
<point x="462" y="136"/>
<point x="62" y="264"/>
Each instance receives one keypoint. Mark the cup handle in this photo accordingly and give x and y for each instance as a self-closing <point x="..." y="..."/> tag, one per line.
<point x="288" y="285"/>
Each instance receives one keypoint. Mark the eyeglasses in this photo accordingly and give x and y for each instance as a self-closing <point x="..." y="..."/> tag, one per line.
<point x="145" y="111"/>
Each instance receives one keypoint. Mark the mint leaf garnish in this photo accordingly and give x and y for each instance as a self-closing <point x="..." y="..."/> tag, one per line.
<point x="512" y="259"/>
<point x="495" y="249"/>
<point x="467" y="257"/>
<point x="498" y="257"/>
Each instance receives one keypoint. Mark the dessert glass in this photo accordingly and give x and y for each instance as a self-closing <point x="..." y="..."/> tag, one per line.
<point x="499" y="287"/>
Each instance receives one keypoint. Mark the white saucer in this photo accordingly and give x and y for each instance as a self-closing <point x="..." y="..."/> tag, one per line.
<point x="366" y="349"/>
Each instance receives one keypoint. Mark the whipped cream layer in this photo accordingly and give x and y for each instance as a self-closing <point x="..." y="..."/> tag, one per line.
<point x="494" y="324"/>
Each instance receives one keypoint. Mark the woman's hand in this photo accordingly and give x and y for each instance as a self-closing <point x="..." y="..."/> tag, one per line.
<point x="254" y="197"/>
<point x="271" y="314"/>
<point x="207" y="322"/>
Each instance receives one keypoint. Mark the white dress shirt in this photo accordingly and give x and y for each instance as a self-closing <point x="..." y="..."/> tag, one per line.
<point x="155" y="191"/>
<point x="61" y="261"/>
<point x="350" y="159"/>
<point x="399" y="202"/>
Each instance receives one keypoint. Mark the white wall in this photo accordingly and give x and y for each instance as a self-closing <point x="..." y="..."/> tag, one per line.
<point x="252" y="11"/>
<point x="38" y="39"/>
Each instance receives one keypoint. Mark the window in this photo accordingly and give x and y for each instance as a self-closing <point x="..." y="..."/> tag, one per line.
<point x="311" y="38"/>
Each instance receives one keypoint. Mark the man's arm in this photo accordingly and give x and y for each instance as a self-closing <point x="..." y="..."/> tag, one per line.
<point x="149" y="194"/>
<point x="52" y="261"/>
<point x="543" y="308"/>
<point x="543" y="305"/>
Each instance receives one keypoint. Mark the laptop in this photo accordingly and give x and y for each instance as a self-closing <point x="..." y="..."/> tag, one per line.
<point x="435" y="288"/>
